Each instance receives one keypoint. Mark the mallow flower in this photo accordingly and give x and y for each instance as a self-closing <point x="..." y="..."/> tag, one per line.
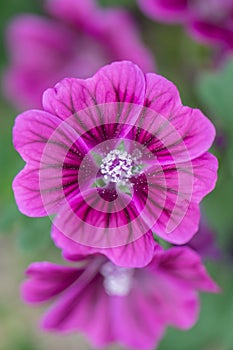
<point x="74" y="39"/>
<point x="209" y="21"/>
<point x="112" y="304"/>
<point x="115" y="159"/>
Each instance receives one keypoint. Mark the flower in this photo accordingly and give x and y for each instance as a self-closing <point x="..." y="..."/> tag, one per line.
<point x="109" y="303"/>
<point x="209" y="21"/>
<point x="116" y="157"/>
<point x="75" y="41"/>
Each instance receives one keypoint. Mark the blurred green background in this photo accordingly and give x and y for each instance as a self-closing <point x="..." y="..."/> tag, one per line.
<point x="23" y="240"/>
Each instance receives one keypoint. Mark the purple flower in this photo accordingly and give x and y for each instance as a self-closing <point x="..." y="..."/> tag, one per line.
<point x="110" y="304"/>
<point x="116" y="157"/>
<point x="209" y="21"/>
<point x="204" y="242"/>
<point x="75" y="41"/>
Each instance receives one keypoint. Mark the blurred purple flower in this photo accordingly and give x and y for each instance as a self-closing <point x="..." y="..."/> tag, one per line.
<point x="209" y="21"/>
<point x="79" y="38"/>
<point x="221" y="140"/>
<point x="204" y="242"/>
<point x="115" y="156"/>
<point x="117" y="169"/>
<point x="110" y="304"/>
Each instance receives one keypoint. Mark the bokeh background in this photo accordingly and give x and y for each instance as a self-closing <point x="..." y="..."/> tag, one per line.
<point x="204" y="82"/>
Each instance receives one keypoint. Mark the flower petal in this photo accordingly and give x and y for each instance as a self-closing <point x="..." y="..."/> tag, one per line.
<point x="36" y="127"/>
<point x="37" y="48"/>
<point x="136" y="254"/>
<point x="101" y="218"/>
<point x="171" y="11"/>
<point x="84" y="310"/>
<point x="186" y="265"/>
<point x="46" y="280"/>
<point x="142" y="327"/>
<point x="128" y="45"/>
<point x="176" y="303"/>
<point x="174" y="194"/>
<point x="184" y="133"/>
<point x="27" y="191"/>
<point x="212" y="33"/>
<point x="54" y="153"/>
<point x="205" y="175"/>
<point x="74" y="12"/>
<point x="116" y="83"/>
<point x="161" y="95"/>
<point x="183" y="230"/>
<point x="39" y="38"/>
<point x="204" y="242"/>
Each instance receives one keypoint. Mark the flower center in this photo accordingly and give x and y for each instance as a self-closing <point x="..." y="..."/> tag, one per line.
<point x="119" y="166"/>
<point x="117" y="280"/>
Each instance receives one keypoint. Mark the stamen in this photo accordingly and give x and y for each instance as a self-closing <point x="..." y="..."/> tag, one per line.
<point x="117" y="280"/>
<point x="119" y="166"/>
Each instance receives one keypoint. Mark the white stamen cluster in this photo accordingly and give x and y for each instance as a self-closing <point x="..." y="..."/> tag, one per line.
<point x="118" y="166"/>
<point x="117" y="280"/>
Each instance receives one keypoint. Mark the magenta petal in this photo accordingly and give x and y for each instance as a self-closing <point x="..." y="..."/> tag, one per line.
<point x="167" y="204"/>
<point x="118" y="82"/>
<point x="40" y="38"/>
<point x="37" y="51"/>
<point x="47" y="280"/>
<point x="128" y="45"/>
<point x="26" y="187"/>
<point x="177" y="274"/>
<point x="161" y="95"/>
<point x="186" y="265"/>
<point x="82" y="310"/>
<point x="102" y="222"/>
<point x="185" y="133"/>
<point x="36" y="127"/>
<point x="177" y="303"/>
<point x="72" y="11"/>
<point x="46" y="145"/>
<point x="205" y="175"/>
<point x="213" y="33"/>
<point x="204" y="242"/>
<point x="23" y="87"/>
<point x="183" y="230"/>
<point x="171" y="11"/>
<point x="137" y="323"/>
<point x="136" y="254"/>
<point x="196" y="131"/>
<point x="101" y="126"/>
<point x="176" y="191"/>
<point x="62" y="99"/>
